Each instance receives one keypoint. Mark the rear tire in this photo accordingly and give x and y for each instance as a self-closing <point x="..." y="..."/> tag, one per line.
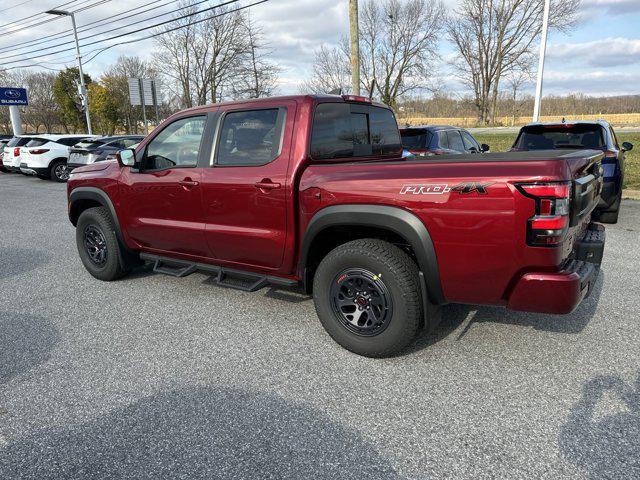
<point x="58" y="171"/>
<point x="98" y="245"/>
<point x="384" y="281"/>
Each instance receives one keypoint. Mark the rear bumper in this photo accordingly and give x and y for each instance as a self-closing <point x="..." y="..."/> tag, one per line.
<point x="27" y="170"/>
<point x="561" y="292"/>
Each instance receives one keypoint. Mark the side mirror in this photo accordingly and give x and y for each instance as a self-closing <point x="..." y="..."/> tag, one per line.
<point x="626" y="146"/>
<point x="127" y="157"/>
<point x="484" y="148"/>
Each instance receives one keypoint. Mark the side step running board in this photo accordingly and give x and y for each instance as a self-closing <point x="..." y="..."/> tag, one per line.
<point x="225" y="277"/>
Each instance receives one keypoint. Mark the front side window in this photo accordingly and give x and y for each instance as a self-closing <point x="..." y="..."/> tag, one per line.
<point x="455" y="141"/>
<point x="250" y="137"/>
<point x="177" y="145"/>
<point x="469" y="142"/>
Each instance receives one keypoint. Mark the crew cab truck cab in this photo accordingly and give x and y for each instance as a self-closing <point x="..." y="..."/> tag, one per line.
<point x="312" y="190"/>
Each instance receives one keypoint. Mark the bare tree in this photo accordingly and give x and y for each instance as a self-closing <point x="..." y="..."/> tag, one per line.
<point x="222" y="56"/>
<point x="493" y="37"/>
<point x="331" y="71"/>
<point x="256" y="75"/>
<point x="398" y="50"/>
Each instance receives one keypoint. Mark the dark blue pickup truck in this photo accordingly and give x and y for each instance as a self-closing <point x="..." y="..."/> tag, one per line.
<point x="581" y="134"/>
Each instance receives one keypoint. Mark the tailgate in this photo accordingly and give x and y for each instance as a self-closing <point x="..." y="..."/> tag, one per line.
<point x="586" y="185"/>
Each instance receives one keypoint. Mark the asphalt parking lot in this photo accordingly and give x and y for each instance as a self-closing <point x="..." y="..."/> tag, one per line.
<point x="159" y="377"/>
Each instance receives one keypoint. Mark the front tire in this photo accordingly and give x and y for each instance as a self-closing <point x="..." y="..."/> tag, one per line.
<point x="98" y="245"/>
<point x="368" y="298"/>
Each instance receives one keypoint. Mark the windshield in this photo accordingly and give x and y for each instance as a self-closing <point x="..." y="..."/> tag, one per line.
<point x="546" y="137"/>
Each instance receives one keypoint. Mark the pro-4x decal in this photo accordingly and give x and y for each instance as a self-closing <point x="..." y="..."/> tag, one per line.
<point x="440" y="188"/>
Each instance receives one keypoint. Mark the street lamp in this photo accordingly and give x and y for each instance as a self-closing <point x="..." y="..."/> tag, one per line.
<point x="83" y="93"/>
<point x="543" y="51"/>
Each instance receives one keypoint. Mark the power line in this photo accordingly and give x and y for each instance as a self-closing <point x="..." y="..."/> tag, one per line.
<point x="18" y="5"/>
<point x="158" y="33"/>
<point x="31" y="17"/>
<point x="48" y="19"/>
<point x="228" y="2"/>
<point x="41" y="40"/>
<point x="105" y="31"/>
<point x="177" y="28"/>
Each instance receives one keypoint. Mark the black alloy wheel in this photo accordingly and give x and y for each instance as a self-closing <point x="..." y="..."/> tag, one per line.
<point x="95" y="245"/>
<point x="361" y="301"/>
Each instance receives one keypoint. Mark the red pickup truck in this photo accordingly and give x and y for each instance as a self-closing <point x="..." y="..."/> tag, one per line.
<point x="312" y="191"/>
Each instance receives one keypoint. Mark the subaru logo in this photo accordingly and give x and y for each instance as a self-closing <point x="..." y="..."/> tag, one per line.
<point x="12" y="93"/>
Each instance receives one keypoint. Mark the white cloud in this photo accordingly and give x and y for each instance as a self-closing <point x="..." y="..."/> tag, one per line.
<point x="608" y="52"/>
<point x="612" y="7"/>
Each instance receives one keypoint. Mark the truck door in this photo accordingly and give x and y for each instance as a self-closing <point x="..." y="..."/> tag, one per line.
<point x="163" y="199"/>
<point x="245" y="189"/>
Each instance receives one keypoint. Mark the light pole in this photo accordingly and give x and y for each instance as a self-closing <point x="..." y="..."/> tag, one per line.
<point x="543" y="51"/>
<point x="83" y="88"/>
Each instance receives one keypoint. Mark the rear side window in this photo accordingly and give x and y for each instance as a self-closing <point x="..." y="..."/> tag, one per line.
<point x="443" y="139"/>
<point x="250" y="137"/>
<point x="343" y="130"/>
<point x="547" y="137"/>
<point x="37" y="142"/>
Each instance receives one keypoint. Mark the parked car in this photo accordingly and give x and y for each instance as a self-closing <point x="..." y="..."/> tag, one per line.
<point x="99" y="149"/>
<point x="312" y="190"/>
<point x="598" y="135"/>
<point x="440" y="140"/>
<point x="46" y="156"/>
<point x="13" y="151"/>
<point x="4" y="139"/>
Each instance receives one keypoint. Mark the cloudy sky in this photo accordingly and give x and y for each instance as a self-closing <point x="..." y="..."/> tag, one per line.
<point x="601" y="56"/>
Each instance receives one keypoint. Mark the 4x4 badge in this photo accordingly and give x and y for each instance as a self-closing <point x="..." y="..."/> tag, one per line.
<point x="470" y="187"/>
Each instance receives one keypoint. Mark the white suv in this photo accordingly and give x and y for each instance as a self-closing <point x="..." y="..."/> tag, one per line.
<point x="12" y="153"/>
<point x="46" y="156"/>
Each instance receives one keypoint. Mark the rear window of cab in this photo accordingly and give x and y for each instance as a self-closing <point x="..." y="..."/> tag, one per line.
<point x="348" y="130"/>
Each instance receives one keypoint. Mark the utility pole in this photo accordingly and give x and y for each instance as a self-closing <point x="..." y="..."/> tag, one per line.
<point x="543" y="51"/>
<point x="355" y="47"/>
<point x="83" y="88"/>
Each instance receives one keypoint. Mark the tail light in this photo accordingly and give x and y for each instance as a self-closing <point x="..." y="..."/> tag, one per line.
<point x="38" y="151"/>
<point x="609" y="157"/>
<point x="16" y="152"/>
<point x="548" y="227"/>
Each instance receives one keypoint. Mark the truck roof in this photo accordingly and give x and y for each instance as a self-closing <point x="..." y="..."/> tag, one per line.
<point x="431" y="127"/>
<point x="270" y="100"/>
<point x="603" y="123"/>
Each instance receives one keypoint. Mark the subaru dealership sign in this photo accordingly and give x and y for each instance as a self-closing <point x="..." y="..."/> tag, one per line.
<point x="13" y="96"/>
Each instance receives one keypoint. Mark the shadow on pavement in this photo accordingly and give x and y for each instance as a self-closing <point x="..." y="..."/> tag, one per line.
<point x="605" y="446"/>
<point x="199" y="433"/>
<point x="25" y="342"/>
<point x="15" y="261"/>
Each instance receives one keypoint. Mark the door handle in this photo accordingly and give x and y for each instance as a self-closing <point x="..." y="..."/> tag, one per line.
<point x="267" y="184"/>
<point x="188" y="183"/>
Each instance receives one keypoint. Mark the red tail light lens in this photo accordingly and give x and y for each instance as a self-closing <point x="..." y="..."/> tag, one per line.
<point x="38" y="151"/>
<point x="548" y="227"/>
<point x="16" y="152"/>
